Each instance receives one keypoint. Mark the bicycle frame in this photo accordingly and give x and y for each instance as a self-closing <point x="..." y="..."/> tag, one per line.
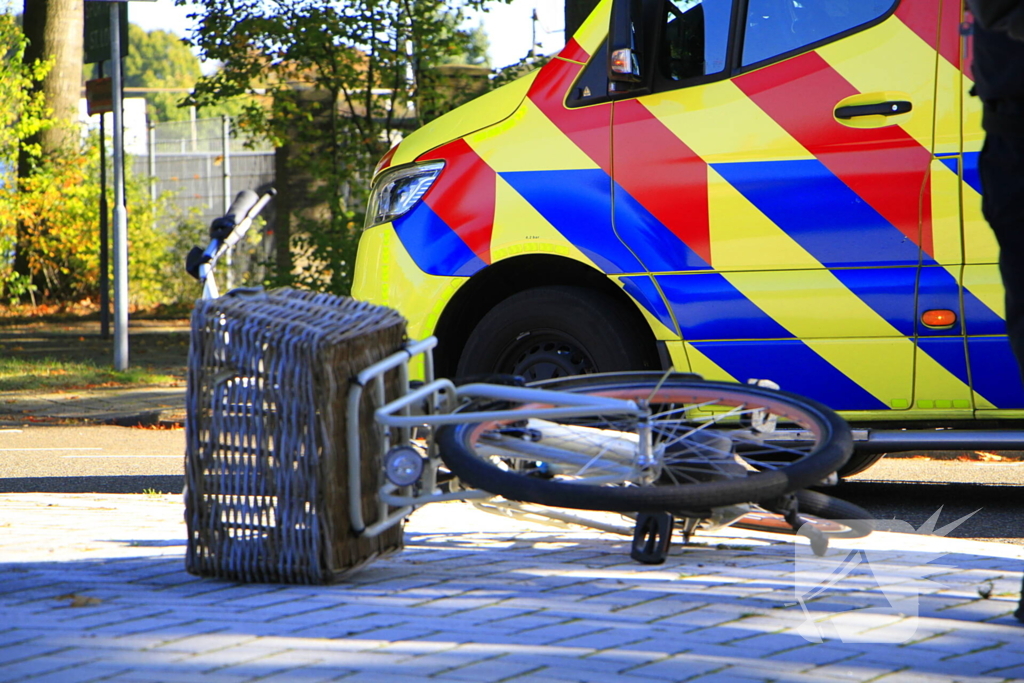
<point x="440" y="397"/>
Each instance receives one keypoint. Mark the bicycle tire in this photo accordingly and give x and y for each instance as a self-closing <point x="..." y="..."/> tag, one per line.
<point x="856" y="522"/>
<point x="770" y="479"/>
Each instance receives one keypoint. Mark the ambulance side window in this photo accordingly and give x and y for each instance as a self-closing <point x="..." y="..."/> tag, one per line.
<point x="695" y="38"/>
<point x="776" y="27"/>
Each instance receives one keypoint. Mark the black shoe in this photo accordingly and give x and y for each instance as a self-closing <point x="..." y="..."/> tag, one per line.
<point x="1020" y="611"/>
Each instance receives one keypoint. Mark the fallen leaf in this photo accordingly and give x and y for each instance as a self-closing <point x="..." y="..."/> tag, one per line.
<point x="988" y="457"/>
<point x="80" y="600"/>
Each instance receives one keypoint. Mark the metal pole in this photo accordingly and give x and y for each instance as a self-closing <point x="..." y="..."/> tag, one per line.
<point x="152" y="165"/>
<point x="120" y="213"/>
<point x="104" y="227"/>
<point x="226" y="168"/>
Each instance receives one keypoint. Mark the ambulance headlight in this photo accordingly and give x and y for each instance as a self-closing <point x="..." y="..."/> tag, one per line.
<point x="396" y="191"/>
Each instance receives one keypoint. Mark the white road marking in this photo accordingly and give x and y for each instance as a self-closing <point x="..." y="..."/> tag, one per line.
<point x="134" y="457"/>
<point x="11" y="450"/>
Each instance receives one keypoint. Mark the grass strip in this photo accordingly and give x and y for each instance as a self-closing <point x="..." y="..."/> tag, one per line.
<point x="37" y="374"/>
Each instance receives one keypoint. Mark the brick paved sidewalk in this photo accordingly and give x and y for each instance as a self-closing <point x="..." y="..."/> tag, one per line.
<point x="94" y="590"/>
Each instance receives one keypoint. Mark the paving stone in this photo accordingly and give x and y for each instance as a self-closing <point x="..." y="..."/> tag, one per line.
<point x="676" y="668"/>
<point x="815" y="654"/>
<point x="492" y="670"/>
<point x="460" y="601"/>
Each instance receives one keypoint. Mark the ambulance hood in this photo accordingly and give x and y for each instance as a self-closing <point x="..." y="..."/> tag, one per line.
<point x="484" y="111"/>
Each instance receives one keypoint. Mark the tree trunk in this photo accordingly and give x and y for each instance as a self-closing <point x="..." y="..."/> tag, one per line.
<point x="54" y="29"/>
<point x="576" y="11"/>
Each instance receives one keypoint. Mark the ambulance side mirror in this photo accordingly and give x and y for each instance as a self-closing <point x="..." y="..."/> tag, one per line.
<point x="625" y="45"/>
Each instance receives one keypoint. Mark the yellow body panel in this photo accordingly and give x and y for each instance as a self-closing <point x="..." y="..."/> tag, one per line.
<point x="479" y="113"/>
<point x="948" y="249"/>
<point x="811" y="304"/>
<point x="519" y="229"/>
<point x="386" y="275"/>
<point x="743" y="238"/>
<point x="528" y="141"/>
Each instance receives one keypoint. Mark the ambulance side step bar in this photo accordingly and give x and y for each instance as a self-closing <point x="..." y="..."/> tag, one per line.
<point x="902" y="440"/>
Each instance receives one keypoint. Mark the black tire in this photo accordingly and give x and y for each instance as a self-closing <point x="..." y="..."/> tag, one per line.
<point x="818" y="509"/>
<point x="859" y="462"/>
<point x="558" y="331"/>
<point x="774" y="472"/>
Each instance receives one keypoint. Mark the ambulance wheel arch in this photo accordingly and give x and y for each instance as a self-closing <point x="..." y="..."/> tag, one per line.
<point x="584" y="319"/>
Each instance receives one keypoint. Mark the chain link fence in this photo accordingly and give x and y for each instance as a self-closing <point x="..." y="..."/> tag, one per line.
<point x="201" y="164"/>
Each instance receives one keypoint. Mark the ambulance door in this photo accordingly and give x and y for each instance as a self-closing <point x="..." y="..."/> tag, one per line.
<point x="773" y="184"/>
<point x="942" y="379"/>
<point x="993" y="369"/>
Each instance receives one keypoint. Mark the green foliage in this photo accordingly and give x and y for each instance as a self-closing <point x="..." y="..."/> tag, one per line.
<point x="158" y="59"/>
<point x="51" y="214"/>
<point x="339" y="83"/>
<point x="515" y="71"/>
<point x="58" y="206"/>
<point x="22" y="116"/>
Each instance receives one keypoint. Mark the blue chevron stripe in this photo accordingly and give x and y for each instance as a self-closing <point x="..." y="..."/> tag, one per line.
<point x="707" y="306"/>
<point x="821" y="213"/>
<point x="435" y="247"/>
<point x="795" y="367"/>
<point x="578" y="203"/>
<point x="643" y="289"/>
<point x="994" y="371"/>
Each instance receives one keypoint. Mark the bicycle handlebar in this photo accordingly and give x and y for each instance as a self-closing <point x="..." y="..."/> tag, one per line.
<point x="226" y="232"/>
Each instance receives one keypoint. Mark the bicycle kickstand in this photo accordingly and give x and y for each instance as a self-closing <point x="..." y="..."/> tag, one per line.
<point x="789" y="507"/>
<point x="652" y="537"/>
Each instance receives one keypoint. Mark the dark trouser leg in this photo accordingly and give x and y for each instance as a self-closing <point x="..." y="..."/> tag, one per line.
<point x="1002" y="177"/>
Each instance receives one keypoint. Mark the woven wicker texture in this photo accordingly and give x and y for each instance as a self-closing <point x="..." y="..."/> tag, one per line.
<point x="269" y="372"/>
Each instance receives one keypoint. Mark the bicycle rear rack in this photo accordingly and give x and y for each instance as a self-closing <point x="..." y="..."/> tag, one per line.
<point x="432" y="405"/>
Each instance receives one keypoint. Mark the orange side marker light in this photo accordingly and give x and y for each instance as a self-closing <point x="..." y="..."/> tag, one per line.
<point x="938" y="318"/>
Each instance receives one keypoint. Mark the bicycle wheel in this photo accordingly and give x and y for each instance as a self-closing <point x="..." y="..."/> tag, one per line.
<point x="833" y="517"/>
<point x="698" y="452"/>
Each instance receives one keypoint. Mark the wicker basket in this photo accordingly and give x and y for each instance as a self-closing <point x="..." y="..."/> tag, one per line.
<point x="269" y="373"/>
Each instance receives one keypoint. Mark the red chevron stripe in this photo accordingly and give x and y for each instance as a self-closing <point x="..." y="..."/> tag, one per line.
<point x="588" y="127"/>
<point x="662" y="173"/>
<point x="922" y="17"/>
<point x="464" y="195"/>
<point x="573" y="51"/>
<point x="884" y="166"/>
<point x="949" y="33"/>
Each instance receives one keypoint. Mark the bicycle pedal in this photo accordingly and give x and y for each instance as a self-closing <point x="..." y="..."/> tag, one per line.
<point x="652" y="537"/>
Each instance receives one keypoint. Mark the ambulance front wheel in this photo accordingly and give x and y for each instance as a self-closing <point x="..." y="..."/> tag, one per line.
<point x="557" y="331"/>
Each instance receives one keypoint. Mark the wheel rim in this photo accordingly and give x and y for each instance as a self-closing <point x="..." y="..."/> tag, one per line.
<point x="538" y="356"/>
<point x="697" y="437"/>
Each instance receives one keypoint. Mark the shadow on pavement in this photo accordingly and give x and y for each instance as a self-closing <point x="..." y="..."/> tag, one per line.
<point x="101" y="484"/>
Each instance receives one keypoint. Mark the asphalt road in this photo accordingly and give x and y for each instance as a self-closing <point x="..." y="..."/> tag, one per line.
<point x="132" y="460"/>
<point x="91" y="460"/>
<point x="912" y="490"/>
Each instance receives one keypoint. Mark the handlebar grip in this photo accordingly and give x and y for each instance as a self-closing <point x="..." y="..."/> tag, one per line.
<point x="245" y="200"/>
<point x="221" y="227"/>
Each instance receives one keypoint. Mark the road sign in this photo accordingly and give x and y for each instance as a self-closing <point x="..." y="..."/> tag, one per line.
<point x="99" y="95"/>
<point x="97" y="30"/>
